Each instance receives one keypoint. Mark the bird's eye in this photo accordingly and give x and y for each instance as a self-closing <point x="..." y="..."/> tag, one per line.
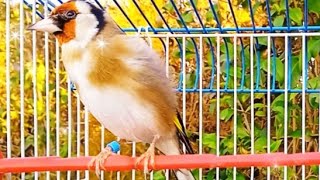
<point x="70" y="14"/>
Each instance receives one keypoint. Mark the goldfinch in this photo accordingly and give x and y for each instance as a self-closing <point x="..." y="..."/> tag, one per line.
<point x="120" y="79"/>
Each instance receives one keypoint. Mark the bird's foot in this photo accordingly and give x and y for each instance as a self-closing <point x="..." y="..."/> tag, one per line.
<point x="148" y="156"/>
<point x="98" y="161"/>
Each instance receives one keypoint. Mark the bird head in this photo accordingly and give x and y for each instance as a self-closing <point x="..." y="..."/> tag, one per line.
<point x="77" y="20"/>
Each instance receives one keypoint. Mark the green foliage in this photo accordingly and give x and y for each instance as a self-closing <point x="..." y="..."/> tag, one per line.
<point x="278" y="64"/>
<point x="314" y="6"/>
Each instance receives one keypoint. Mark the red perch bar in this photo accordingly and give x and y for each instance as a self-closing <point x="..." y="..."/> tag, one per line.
<point x="123" y="163"/>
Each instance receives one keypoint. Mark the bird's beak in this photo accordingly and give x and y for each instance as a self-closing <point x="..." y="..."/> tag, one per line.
<point x="45" y="25"/>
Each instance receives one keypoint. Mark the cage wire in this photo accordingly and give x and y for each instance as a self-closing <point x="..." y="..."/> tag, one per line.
<point x="242" y="89"/>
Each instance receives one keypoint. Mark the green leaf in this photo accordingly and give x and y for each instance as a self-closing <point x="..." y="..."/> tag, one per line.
<point x="244" y="97"/>
<point x="257" y="105"/>
<point x="209" y="140"/>
<point x="263" y="41"/>
<point x="279" y="131"/>
<point x="210" y="58"/>
<point x="260" y="132"/>
<point x="29" y="141"/>
<point x="278" y="101"/>
<point x="158" y="175"/>
<point x="240" y="176"/>
<point x="227" y="100"/>
<point x="272" y="12"/>
<point x="296" y="134"/>
<point x="313" y="47"/>
<point x="226" y="114"/>
<point x="296" y="15"/>
<point x="223" y="58"/>
<point x="279" y="71"/>
<point x="195" y="174"/>
<point x="169" y="7"/>
<point x="314" y="6"/>
<point x="189" y="45"/>
<point x="315" y="169"/>
<point x="260" y="114"/>
<point x="212" y="108"/>
<point x="259" y="96"/>
<point x="176" y="53"/>
<point x="314" y="82"/>
<point x="64" y="150"/>
<point x="282" y="5"/>
<point x="278" y="109"/>
<point x="241" y="131"/>
<point x="314" y="100"/>
<point x="209" y="15"/>
<point x="187" y="17"/>
<point x="278" y="21"/>
<point x="292" y="96"/>
<point x="227" y="142"/>
<point x="231" y="72"/>
<point x="292" y="173"/>
<point x="260" y="144"/>
<point x="211" y="174"/>
<point x="296" y="71"/>
<point x="274" y="146"/>
<point x="255" y="7"/>
<point x="190" y="78"/>
<point x="227" y="48"/>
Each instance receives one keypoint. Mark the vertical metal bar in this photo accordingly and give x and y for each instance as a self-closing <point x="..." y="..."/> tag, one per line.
<point x="69" y="124"/>
<point x="200" y="99"/>
<point x="8" y="93"/>
<point x="102" y="147"/>
<point x="58" y="104"/>
<point x="218" y="105"/>
<point x="133" y="175"/>
<point x="319" y="137"/>
<point x="148" y="36"/>
<point x="252" y="102"/>
<point x="47" y="101"/>
<point x="21" y="37"/>
<point x="235" y="103"/>
<point x="150" y="44"/>
<point x="184" y="103"/>
<point x="118" y="172"/>
<point x="304" y="76"/>
<point x="86" y="137"/>
<point x="269" y="103"/>
<point x="167" y="74"/>
<point x="34" y="89"/>
<point x="167" y="55"/>
<point x="285" y="102"/>
<point x="78" y="131"/>
<point x="46" y="58"/>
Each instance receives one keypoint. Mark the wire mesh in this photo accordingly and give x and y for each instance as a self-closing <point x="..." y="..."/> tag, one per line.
<point x="243" y="80"/>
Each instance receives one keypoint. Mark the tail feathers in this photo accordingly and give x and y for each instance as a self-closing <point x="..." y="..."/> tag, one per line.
<point x="182" y="136"/>
<point x="170" y="146"/>
<point x="183" y="174"/>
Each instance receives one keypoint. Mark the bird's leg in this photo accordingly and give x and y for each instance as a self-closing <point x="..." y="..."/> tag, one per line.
<point x="98" y="161"/>
<point x="148" y="155"/>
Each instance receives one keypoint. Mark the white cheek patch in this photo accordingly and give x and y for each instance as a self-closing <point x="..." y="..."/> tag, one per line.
<point x="86" y="28"/>
<point x="83" y="7"/>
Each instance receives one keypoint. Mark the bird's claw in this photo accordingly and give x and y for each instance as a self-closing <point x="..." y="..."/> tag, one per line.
<point x="98" y="161"/>
<point x="147" y="157"/>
